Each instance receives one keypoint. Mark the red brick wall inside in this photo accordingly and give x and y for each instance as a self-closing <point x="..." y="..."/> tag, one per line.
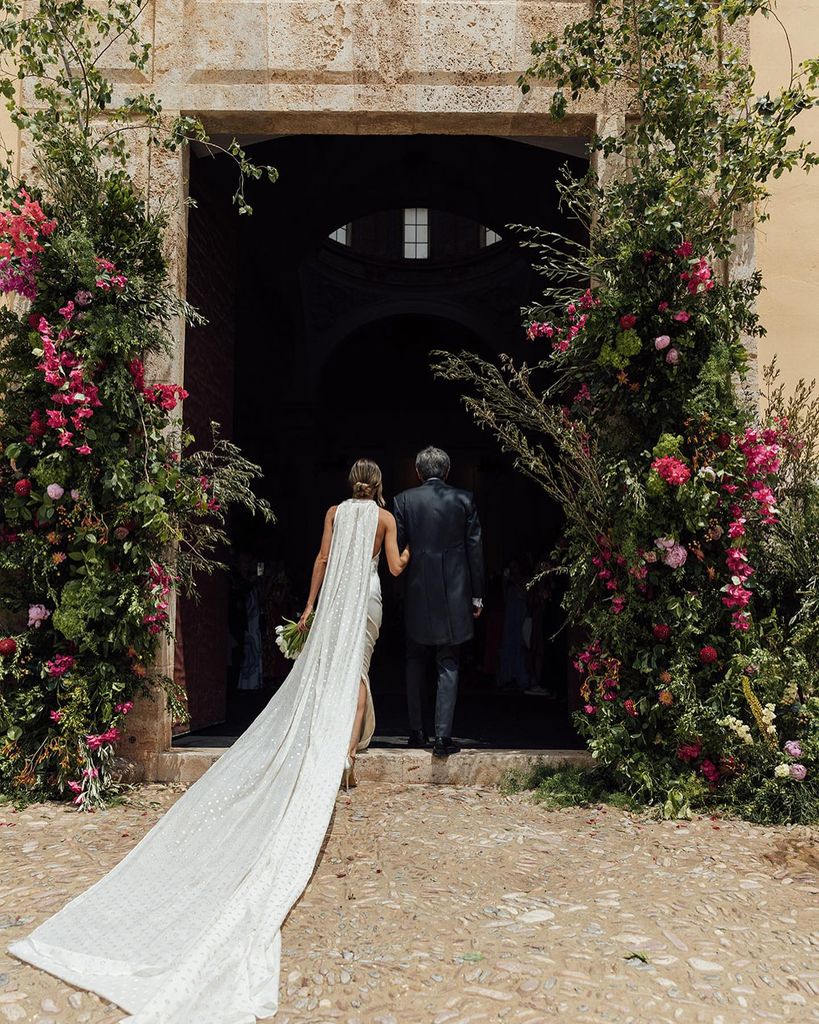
<point x="202" y="626"/>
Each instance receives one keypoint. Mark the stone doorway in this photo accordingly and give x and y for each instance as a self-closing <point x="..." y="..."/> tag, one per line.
<point x="317" y="351"/>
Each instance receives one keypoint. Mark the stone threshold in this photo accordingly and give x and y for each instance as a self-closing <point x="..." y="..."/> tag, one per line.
<point x="468" y="768"/>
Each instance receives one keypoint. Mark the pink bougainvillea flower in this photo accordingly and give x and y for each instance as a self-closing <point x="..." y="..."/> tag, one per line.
<point x="662" y="306"/>
<point x="736" y="596"/>
<point x="684" y="249"/>
<point x="75" y="787"/>
<point x="618" y="604"/>
<point x="590" y="709"/>
<point x="682" y="316"/>
<point x="60" y="665"/>
<point x="55" y="716"/>
<point x="83" y="449"/>
<point x="661" y="342"/>
<point x="672" y="470"/>
<point x="125" y="707"/>
<point x="740" y="621"/>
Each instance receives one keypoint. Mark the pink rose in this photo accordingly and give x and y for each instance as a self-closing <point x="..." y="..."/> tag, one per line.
<point x="676" y="556"/>
<point x="590" y="709"/>
<point x="627" y="321"/>
<point x="793" y="748"/>
<point x="682" y="317"/>
<point x="55" y="492"/>
<point x="37" y="614"/>
<point x="672" y="356"/>
<point x="798" y="772"/>
<point x="661" y="342"/>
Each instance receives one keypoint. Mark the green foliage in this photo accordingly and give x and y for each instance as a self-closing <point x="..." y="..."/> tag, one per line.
<point x="105" y="509"/>
<point x="565" y="785"/>
<point x="72" y="114"/>
<point x="689" y="541"/>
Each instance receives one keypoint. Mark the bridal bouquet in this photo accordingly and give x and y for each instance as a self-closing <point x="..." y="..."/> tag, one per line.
<point x="289" y="639"/>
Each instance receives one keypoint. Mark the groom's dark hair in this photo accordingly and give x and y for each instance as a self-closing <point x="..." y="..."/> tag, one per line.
<point x="432" y="462"/>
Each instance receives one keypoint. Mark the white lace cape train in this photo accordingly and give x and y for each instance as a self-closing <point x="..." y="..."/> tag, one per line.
<point x="186" y="929"/>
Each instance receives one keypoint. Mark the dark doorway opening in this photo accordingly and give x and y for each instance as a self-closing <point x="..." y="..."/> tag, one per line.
<point x="323" y="309"/>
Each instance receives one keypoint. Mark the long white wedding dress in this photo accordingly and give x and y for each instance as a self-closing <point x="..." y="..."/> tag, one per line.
<point x="186" y="929"/>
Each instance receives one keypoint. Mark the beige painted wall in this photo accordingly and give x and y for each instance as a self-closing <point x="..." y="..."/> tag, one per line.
<point x="787" y="246"/>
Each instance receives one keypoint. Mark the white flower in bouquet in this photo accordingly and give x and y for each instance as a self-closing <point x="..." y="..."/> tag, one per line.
<point x="289" y="638"/>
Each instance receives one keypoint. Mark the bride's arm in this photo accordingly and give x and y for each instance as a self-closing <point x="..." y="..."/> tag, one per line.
<point x="319" y="567"/>
<point x="396" y="560"/>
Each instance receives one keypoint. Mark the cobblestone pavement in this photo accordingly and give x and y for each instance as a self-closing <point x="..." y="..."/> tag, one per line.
<point x="439" y="905"/>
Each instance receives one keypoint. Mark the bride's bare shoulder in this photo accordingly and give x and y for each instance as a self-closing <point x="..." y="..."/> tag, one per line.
<point x="385" y="517"/>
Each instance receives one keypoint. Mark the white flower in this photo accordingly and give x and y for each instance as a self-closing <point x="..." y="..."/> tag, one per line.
<point x="739" y="728"/>
<point x="782" y="771"/>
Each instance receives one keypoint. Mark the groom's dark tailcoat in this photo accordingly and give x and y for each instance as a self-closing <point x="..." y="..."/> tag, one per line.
<point x="445" y="573"/>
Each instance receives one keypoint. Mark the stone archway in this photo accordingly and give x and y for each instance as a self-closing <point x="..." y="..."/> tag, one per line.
<point x="284" y="305"/>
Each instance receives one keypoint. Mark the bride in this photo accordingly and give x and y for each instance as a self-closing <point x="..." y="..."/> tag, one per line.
<point x="186" y="928"/>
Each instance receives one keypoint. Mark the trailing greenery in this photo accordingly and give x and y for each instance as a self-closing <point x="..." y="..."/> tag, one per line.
<point x="565" y="785"/>
<point x="105" y="510"/>
<point x="690" y="521"/>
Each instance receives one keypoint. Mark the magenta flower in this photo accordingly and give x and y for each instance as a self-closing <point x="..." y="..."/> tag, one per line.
<point x="672" y="356"/>
<point x="661" y="342"/>
<point x="682" y="317"/>
<point x="672" y="470"/>
<point x="710" y="771"/>
<point x="56" y="716"/>
<point x="60" y="665"/>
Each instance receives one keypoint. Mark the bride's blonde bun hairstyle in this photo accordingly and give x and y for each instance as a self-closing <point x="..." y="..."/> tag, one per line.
<point x="365" y="481"/>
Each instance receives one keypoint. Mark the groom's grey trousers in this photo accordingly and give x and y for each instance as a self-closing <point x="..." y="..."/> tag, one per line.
<point x="446" y="663"/>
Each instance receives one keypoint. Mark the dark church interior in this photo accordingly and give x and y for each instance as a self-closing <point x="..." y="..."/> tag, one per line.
<point x="323" y="307"/>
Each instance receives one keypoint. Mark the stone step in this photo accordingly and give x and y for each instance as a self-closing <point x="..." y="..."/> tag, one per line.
<point x="468" y="768"/>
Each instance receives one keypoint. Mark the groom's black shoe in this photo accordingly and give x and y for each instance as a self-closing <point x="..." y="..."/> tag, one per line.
<point x="417" y="739"/>
<point x="444" y="746"/>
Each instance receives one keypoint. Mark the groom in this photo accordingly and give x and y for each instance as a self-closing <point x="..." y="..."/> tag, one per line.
<point x="444" y="588"/>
